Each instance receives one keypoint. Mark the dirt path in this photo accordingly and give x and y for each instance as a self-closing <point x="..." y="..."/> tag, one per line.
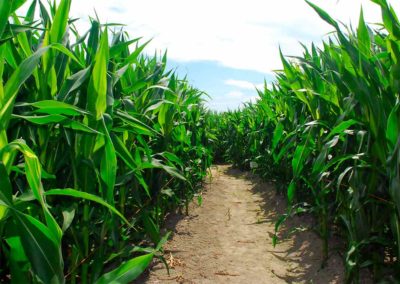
<point x="228" y="239"/>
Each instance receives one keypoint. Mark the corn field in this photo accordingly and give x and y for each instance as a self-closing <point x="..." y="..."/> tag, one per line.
<point x="328" y="131"/>
<point x="97" y="142"/>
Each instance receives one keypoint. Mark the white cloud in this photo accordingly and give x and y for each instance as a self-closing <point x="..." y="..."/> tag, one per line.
<point x="260" y="86"/>
<point x="232" y="100"/>
<point x="235" y="94"/>
<point x="243" y="84"/>
<point x="238" y="34"/>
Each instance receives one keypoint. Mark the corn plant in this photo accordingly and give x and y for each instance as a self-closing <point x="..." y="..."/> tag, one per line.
<point x="328" y="131"/>
<point x="97" y="143"/>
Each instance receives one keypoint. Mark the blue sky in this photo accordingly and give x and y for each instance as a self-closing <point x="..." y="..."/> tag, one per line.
<point x="229" y="87"/>
<point x="226" y="47"/>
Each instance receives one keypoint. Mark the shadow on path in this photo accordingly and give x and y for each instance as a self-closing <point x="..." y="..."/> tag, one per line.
<point x="304" y="253"/>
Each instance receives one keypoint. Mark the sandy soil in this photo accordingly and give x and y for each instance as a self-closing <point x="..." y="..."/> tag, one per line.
<point x="228" y="239"/>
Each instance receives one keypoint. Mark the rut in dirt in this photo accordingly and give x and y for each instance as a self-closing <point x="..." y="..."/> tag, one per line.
<point x="228" y="239"/>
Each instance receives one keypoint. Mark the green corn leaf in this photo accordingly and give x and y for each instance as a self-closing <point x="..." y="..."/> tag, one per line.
<point x="67" y="52"/>
<point x="9" y="57"/>
<point x="5" y="193"/>
<point x="291" y="191"/>
<point x="126" y="272"/>
<point x="393" y="127"/>
<point x="20" y="75"/>
<point x="44" y="15"/>
<point x="6" y="9"/>
<point x="341" y="127"/>
<point x="52" y="107"/>
<point x="22" y="39"/>
<point x="389" y="18"/>
<point x="33" y="171"/>
<point x="44" y="253"/>
<point x="299" y="158"/>
<point x="158" y="164"/>
<point x="320" y="161"/>
<point x="287" y="67"/>
<point x="19" y="262"/>
<point x="108" y="166"/>
<point x="126" y="156"/>
<point x="278" y="224"/>
<point x="162" y="241"/>
<point x="77" y="126"/>
<point x="32" y="165"/>
<point x="93" y="41"/>
<point x="120" y="47"/>
<point x="364" y="41"/>
<point x="5" y="185"/>
<point x="133" y="58"/>
<point x="173" y="158"/>
<point x="135" y="87"/>
<point x="152" y="230"/>
<point x="278" y="132"/>
<point x="324" y="15"/>
<point x="136" y="124"/>
<point x="42" y="120"/>
<point x="97" y="93"/>
<point x="87" y="196"/>
<point x="19" y="29"/>
<point x="73" y="83"/>
<point x="60" y="22"/>
<point x="163" y="118"/>
<point x="30" y="14"/>
<point x="124" y="153"/>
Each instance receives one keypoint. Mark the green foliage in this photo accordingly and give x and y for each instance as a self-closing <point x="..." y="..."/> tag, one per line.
<point x="328" y="131"/>
<point x="97" y="143"/>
